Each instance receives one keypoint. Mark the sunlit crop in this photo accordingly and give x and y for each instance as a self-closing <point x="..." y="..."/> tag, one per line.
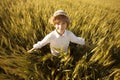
<point x="24" y="22"/>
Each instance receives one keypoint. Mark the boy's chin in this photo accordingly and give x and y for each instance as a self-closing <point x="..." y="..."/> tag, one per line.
<point x="61" y="31"/>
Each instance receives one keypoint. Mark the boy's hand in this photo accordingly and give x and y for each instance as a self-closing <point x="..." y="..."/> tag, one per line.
<point x="31" y="50"/>
<point x="87" y="44"/>
<point x="91" y="46"/>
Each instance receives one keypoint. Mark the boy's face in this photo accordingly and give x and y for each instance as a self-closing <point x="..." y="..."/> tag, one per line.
<point x="60" y="27"/>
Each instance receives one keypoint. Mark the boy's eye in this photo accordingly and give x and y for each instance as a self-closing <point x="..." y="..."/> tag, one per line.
<point x="63" y="23"/>
<point x="58" y="23"/>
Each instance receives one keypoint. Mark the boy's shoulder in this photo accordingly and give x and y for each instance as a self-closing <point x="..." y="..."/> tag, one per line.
<point x="51" y="33"/>
<point x="69" y="32"/>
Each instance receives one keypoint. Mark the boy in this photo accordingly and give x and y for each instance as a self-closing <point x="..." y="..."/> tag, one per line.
<point x="60" y="38"/>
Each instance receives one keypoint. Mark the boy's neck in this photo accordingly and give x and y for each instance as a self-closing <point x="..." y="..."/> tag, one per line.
<point x="60" y="33"/>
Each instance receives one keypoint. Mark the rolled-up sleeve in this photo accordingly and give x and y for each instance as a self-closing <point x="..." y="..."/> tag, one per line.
<point x="42" y="43"/>
<point x="77" y="40"/>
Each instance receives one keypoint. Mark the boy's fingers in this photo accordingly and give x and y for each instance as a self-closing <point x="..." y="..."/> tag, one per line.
<point x="29" y="51"/>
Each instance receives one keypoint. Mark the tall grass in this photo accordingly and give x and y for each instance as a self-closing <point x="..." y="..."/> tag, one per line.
<point x="24" y="22"/>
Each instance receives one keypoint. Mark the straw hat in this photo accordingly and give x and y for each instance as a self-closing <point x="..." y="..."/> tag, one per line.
<point x="59" y="12"/>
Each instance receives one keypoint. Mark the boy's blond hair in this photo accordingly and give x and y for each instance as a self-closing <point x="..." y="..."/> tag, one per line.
<point x="58" y="16"/>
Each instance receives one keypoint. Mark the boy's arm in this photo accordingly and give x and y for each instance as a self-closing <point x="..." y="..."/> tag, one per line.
<point x="77" y="40"/>
<point x="40" y="44"/>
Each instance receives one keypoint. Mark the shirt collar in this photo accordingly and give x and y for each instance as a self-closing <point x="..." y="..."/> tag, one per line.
<point x="57" y="35"/>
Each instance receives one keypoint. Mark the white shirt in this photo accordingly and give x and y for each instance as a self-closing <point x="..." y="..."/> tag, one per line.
<point x="59" y="43"/>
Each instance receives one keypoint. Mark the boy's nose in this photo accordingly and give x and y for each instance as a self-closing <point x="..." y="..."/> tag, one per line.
<point x="61" y="26"/>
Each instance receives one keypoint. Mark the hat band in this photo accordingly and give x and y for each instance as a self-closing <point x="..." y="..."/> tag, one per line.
<point x="60" y="13"/>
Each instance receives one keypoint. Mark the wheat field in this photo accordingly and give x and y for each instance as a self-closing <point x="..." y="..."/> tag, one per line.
<point x="24" y="22"/>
